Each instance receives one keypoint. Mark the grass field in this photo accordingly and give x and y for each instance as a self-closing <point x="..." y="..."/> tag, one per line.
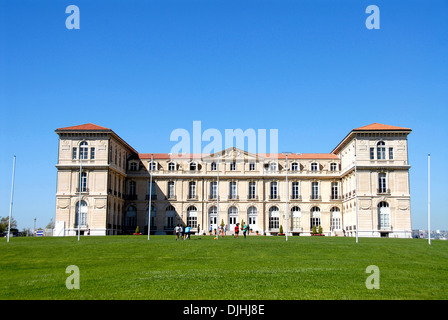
<point x="261" y="268"/>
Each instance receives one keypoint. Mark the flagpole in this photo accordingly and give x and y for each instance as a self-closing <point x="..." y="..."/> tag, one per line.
<point x="356" y="198"/>
<point x="217" y="202"/>
<point x="80" y="189"/>
<point x="429" y="199"/>
<point x="150" y="196"/>
<point x="12" y="194"/>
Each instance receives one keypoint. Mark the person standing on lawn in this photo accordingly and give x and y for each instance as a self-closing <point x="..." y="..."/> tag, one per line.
<point x="237" y="230"/>
<point x="245" y="230"/>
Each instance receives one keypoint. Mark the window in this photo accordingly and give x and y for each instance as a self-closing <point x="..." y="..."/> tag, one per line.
<point x="132" y="188"/>
<point x="294" y="166"/>
<point x="381" y="150"/>
<point x="152" y="166"/>
<point x="314" y="190"/>
<point x="131" y="217"/>
<point x="233" y="166"/>
<point x="252" y="216"/>
<point x="133" y="166"/>
<point x="213" y="217"/>
<point x="383" y="215"/>
<point x="171" y="166"/>
<point x="213" y="190"/>
<point x="315" y="218"/>
<point x="372" y="153"/>
<point x="334" y="191"/>
<point x="233" y="217"/>
<point x="192" y="190"/>
<point x="382" y="187"/>
<point x="193" y="166"/>
<point x="335" y="218"/>
<point x="296" y="218"/>
<point x="83" y="182"/>
<point x="274" y="218"/>
<point x="232" y="190"/>
<point x="252" y="166"/>
<point x="252" y="191"/>
<point x="213" y="166"/>
<point x="391" y="153"/>
<point x="153" y="218"/>
<point x="295" y="190"/>
<point x="170" y="217"/>
<point x="74" y="152"/>
<point x="171" y="190"/>
<point x="314" y="166"/>
<point x="273" y="166"/>
<point x="274" y="191"/>
<point x="81" y="214"/>
<point x="192" y="217"/>
<point x="83" y="150"/>
<point x="333" y="166"/>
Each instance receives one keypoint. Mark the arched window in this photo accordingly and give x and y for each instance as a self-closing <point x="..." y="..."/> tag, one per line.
<point x="131" y="217"/>
<point x="294" y="166"/>
<point x="233" y="217"/>
<point x="383" y="215"/>
<point x="192" y="217"/>
<point x="171" y="166"/>
<point x="213" y="218"/>
<point x="314" y="166"/>
<point x="81" y="215"/>
<point x="213" y="166"/>
<point x="193" y="166"/>
<point x="83" y="150"/>
<point x="333" y="166"/>
<point x="252" y="214"/>
<point x="335" y="218"/>
<point x="273" y="166"/>
<point x="296" y="215"/>
<point x="274" y="218"/>
<point x="381" y="150"/>
<point x="170" y="217"/>
<point x="274" y="190"/>
<point x="315" y="217"/>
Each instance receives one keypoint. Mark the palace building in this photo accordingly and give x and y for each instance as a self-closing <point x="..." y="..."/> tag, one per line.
<point x="362" y="185"/>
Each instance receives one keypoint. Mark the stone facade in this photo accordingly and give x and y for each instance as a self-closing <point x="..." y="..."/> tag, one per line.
<point x="322" y="190"/>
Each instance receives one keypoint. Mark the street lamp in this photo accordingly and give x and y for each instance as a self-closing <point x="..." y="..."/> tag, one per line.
<point x="287" y="193"/>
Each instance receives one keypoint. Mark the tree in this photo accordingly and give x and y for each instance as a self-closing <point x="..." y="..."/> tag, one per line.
<point x="50" y="224"/>
<point x="4" y="224"/>
<point x="320" y="229"/>
<point x="314" y="230"/>
<point x="281" y="229"/>
<point x="137" y="230"/>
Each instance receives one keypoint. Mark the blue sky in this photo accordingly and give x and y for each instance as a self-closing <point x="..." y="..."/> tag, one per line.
<point x="310" y="69"/>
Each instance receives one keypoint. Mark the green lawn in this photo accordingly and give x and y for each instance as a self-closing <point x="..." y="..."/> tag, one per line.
<point x="131" y="267"/>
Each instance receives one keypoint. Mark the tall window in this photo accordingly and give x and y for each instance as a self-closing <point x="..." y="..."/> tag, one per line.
<point x="252" y="216"/>
<point x="232" y="190"/>
<point x="233" y="217"/>
<point x="314" y="190"/>
<point x="381" y="150"/>
<point x="314" y="166"/>
<point x="372" y="153"/>
<point x="213" y="190"/>
<point x="232" y="166"/>
<point x="170" y="217"/>
<point x="131" y="217"/>
<point x="383" y="215"/>
<point x="315" y="218"/>
<point x="192" y="190"/>
<point x="391" y="153"/>
<point x="92" y="153"/>
<point x="295" y="190"/>
<point x="335" y="218"/>
<point x="274" y="190"/>
<point x="334" y="190"/>
<point x="153" y="218"/>
<point x="213" y="166"/>
<point x="192" y="217"/>
<point x="252" y="166"/>
<point x="252" y="191"/>
<point x="274" y="218"/>
<point x="83" y="150"/>
<point x="213" y="217"/>
<point x="132" y="188"/>
<point x="74" y="152"/>
<point x="296" y="218"/>
<point x="81" y="214"/>
<point x="84" y="182"/>
<point x="382" y="186"/>
<point x="171" y="190"/>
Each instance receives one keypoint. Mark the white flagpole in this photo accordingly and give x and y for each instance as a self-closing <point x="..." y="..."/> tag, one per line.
<point x="80" y="189"/>
<point x="287" y="197"/>
<point x="217" y="201"/>
<point x="12" y="194"/>
<point x="356" y="198"/>
<point x="429" y="199"/>
<point x="150" y="196"/>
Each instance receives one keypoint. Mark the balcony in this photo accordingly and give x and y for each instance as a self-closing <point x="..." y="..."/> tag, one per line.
<point x="213" y="197"/>
<point x="383" y="191"/>
<point x="315" y="198"/>
<point x="335" y="197"/>
<point x="274" y="197"/>
<point x="192" y="197"/>
<point x="297" y="197"/>
<point x="233" y="197"/>
<point x="252" y="197"/>
<point x="83" y="190"/>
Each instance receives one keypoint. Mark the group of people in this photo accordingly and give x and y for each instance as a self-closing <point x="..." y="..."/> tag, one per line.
<point x="181" y="232"/>
<point x="245" y="230"/>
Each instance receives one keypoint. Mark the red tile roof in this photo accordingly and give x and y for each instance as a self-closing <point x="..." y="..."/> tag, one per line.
<point x="328" y="156"/>
<point x="379" y="126"/>
<point x="87" y="126"/>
